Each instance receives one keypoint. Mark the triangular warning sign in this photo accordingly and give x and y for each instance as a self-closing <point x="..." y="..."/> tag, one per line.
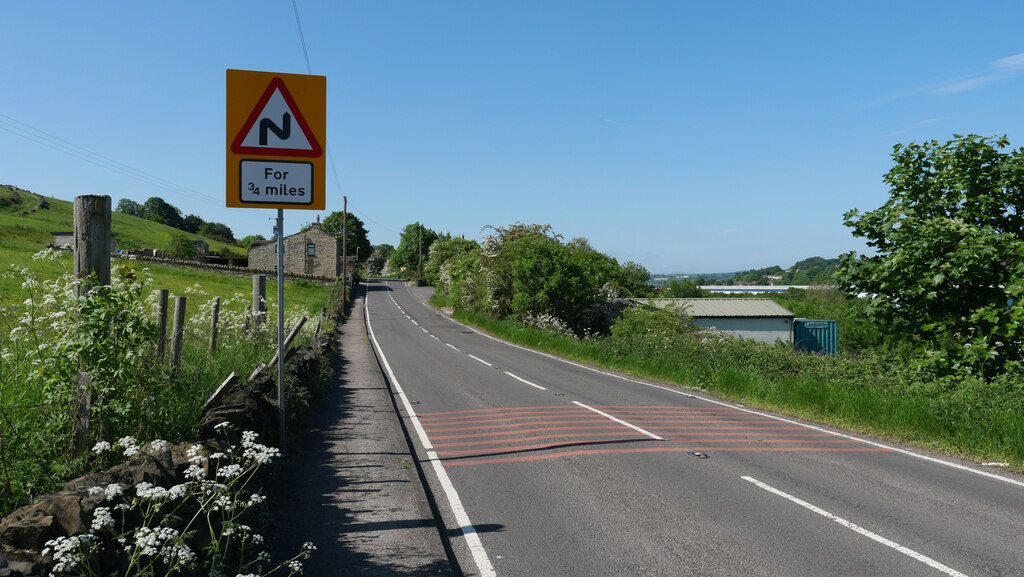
<point x="276" y="127"/>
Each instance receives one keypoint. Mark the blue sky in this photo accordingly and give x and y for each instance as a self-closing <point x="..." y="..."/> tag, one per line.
<point x="686" y="136"/>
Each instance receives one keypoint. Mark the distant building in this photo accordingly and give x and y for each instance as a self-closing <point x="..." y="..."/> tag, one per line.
<point x="762" y="320"/>
<point x="67" y="239"/>
<point x="311" y="252"/>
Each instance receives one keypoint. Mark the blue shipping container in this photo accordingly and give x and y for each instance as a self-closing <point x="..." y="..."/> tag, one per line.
<point x="815" y="336"/>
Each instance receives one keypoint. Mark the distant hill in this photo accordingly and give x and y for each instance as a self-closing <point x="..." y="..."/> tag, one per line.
<point x="810" y="271"/>
<point x="28" y="219"/>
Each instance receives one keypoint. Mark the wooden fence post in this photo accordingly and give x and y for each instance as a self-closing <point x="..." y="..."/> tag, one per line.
<point x="161" y="342"/>
<point x="259" y="299"/>
<point x="92" y="246"/>
<point x="213" y="324"/>
<point x="288" y="341"/>
<point x="93" y="242"/>
<point x="319" y="321"/>
<point x="178" y="331"/>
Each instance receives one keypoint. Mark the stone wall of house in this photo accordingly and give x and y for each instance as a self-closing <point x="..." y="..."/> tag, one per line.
<point x="324" y="263"/>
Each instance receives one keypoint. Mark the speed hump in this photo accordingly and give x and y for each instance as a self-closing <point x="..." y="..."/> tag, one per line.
<point x="276" y="129"/>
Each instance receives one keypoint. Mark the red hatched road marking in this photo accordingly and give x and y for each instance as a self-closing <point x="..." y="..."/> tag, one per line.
<point x="506" y="435"/>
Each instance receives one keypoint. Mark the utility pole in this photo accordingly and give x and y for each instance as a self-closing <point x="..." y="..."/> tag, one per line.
<point x="344" y="248"/>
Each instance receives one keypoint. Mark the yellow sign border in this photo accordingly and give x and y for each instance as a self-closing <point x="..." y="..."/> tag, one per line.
<point x="244" y="90"/>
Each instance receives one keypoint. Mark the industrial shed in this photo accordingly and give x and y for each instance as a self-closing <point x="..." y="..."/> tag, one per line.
<point x="762" y="320"/>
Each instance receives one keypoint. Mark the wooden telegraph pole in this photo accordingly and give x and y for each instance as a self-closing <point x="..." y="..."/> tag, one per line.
<point x="344" y="248"/>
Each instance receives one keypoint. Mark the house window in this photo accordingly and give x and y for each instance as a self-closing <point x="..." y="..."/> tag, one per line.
<point x="310" y="249"/>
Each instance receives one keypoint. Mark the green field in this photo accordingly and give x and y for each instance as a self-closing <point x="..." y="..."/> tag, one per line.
<point x="47" y="337"/>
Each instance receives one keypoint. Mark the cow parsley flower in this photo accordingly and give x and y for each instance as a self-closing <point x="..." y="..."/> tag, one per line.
<point x="113" y="490"/>
<point x="101" y="519"/>
<point x="101" y="447"/>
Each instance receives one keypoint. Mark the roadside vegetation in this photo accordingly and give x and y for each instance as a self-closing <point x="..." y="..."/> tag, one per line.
<point x="932" y="357"/>
<point x="47" y="337"/>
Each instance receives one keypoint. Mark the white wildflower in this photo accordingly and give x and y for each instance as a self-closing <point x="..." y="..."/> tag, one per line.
<point x="230" y="471"/>
<point x="221" y="425"/>
<point x="101" y="447"/>
<point x="101" y="519"/>
<point x="178" y="491"/>
<point x="113" y="490"/>
<point x="159" y="444"/>
<point x="195" y="472"/>
<point x="147" y="490"/>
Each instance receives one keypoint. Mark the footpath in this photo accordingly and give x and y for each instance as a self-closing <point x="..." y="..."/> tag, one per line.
<point x="350" y="483"/>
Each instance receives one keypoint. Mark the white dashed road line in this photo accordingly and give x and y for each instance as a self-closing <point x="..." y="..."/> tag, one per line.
<point x="853" y="527"/>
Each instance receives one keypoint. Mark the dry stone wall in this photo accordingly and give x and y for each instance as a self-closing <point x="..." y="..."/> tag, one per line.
<point x="69" y="511"/>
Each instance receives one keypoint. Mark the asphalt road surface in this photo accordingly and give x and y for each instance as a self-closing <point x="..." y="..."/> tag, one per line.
<point x="542" y="467"/>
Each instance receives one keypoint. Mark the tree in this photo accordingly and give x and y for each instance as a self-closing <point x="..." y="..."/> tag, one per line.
<point x="192" y="223"/>
<point x="379" y="258"/>
<point x="685" y="289"/>
<point x="248" y="239"/>
<point x="357" y="241"/>
<point x="129" y="207"/>
<point x="217" y="231"/>
<point x="443" y="250"/>
<point x="157" y="210"/>
<point x="181" y="246"/>
<point x="948" y="270"/>
<point x="413" y="247"/>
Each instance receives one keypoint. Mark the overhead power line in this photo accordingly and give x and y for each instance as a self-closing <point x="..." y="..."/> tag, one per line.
<point x="52" y="142"/>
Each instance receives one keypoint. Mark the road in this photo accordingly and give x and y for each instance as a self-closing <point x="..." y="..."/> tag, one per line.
<point x="543" y="467"/>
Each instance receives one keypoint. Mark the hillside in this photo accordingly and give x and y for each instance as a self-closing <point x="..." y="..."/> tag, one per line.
<point x="810" y="271"/>
<point x="28" y="221"/>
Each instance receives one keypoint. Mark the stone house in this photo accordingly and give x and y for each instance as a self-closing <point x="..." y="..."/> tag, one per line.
<point x="310" y="252"/>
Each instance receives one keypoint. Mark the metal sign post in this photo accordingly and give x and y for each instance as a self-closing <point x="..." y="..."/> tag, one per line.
<point x="275" y="126"/>
<point x="280" y="324"/>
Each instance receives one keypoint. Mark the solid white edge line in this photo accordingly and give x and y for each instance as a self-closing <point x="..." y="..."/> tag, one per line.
<point x="902" y="451"/>
<point x="478" y="359"/>
<point x="522" y="380"/>
<point x="619" y="421"/>
<point x="476" y="547"/>
<point x="857" y="528"/>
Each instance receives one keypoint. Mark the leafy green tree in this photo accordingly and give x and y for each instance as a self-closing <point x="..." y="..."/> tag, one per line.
<point x="947" y="273"/>
<point x="192" y="223"/>
<point x="413" y="247"/>
<point x="129" y="207"/>
<point x="217" y="231"/>
<point x="248" y="239"/>
<point x="157" y="210"/>
<point x="357" y="241"/>
<point x="443" y="250"/>
<point x="181" y="246"/>
<point x="378" y="258"/>
<point x="684" y="289"/>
